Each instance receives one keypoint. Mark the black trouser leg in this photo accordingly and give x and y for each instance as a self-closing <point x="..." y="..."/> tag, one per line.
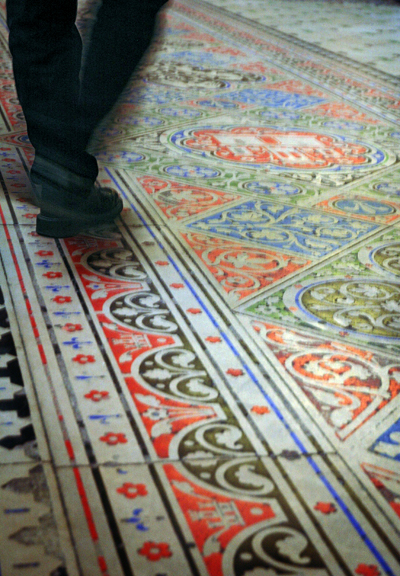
<point x="120" y="37"/>
<point x="46" y="48"/>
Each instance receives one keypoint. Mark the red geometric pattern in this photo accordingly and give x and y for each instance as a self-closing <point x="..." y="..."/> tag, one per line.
<point x="345" y="384"/>
<point x="178" y="201"/>
<point x="241" y="270"/>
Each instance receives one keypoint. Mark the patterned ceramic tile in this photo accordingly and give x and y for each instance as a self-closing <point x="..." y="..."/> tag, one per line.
<point x="34" y="537"/>
<point x="210" y="386"/>
<point x="303" y="232"/>
<point x="346" y="385"/>
<point x="387" y="483"/>
<point x="351" y="297"/>
<point x="178" y="201"/>
<point x="209" y="515"/>
<point x="363" y="207"/>
<point x="241" y="270"/>
<point x="22" y="438"/>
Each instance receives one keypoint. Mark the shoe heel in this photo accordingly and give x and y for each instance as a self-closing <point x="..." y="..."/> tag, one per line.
<point x="56" y="227"/>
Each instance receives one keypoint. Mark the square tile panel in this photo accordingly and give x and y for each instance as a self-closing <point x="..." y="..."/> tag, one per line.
<point x="353" y="297"/>
<point x="303" y="232"/>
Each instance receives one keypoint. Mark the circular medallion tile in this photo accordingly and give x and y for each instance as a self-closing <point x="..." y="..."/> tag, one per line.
<point x="278" y="149"/>
<point x="384" y="258"/>
<point x="365" y="307"/>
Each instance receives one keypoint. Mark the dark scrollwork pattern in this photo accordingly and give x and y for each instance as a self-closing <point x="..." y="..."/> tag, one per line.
<point x="215" y="439"/>
<point x="275" y="550"/>
<point x="243" y="477"/>
<point x="388" y="258"/>
<point x="179" y="373"/>
<point x="214" y="449"/>
<point x="117" y="263"/>
<point x="143" y="311"/>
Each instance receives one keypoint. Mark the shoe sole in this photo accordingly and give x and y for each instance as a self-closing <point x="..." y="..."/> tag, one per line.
<point x="59" y="227"/>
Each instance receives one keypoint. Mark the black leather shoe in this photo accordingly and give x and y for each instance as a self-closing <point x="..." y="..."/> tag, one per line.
<point x="69" y="203"/>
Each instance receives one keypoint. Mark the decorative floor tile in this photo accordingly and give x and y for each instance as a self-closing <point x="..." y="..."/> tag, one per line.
<point x="178" y="201"/>
<point x="351" y="297"/>
<point x="346" y="385"/>
<point x="363" y="207"/>
<point x="303" y="232"/>
<point x="269" y="149"/>
<point x="22" y="438"/>
<point x="210" y="386"/>
<point x="387" y="483"/>
<point x="241" y="270"/>
<point x="34" y="536"/>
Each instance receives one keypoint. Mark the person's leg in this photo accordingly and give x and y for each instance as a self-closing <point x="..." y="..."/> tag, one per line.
<point x="121" y="35"/>
<point x="46" y="48"/>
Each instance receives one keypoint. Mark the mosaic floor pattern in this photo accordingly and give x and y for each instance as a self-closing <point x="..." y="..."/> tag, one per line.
<point x="211" y="386"/>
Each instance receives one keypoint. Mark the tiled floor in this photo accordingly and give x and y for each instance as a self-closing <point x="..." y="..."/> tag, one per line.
<point x="366" y="31"/>
<point x="211" y="386"/>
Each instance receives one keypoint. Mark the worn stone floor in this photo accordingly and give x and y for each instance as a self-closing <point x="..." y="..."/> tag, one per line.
<point x="210" y="387"/>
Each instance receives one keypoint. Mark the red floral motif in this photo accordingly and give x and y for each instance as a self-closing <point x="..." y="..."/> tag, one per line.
<point x="155" y="551"/>
<point x="112" y="438"/>
<point x="45" y="253"/>
<point x="34" y="234"/>
<point x="69" y="327"/>
<point x="214" y="339"/>
<point x="97" y="395"/>
<point x="177" y="286"/>
<point x="30" y="216"/>
<point x="367" y="570"/>
<point x="130" y="490"/>
<point x="162" y="263"/>
<point x="235" y="372"/>
<point x="52" y="275"/>
<point x="325" y="507"/>
<point x="84" y="358"/>
<point x="62" y="299"/>
<point x="260" y="410"/>
<point x="194" y="311"/>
